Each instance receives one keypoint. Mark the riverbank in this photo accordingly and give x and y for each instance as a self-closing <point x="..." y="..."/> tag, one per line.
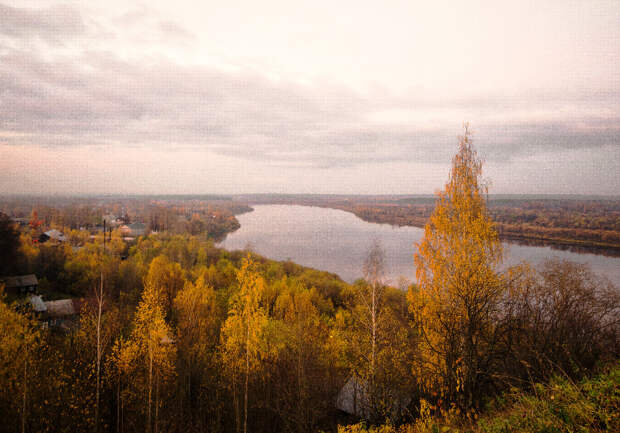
<point x="605" y="242"/>
<point x="589" y="224"/>
<point x="337" y="241"/>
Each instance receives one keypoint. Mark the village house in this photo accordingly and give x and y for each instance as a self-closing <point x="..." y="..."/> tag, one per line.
<point x="20" y="284"/>
<point x="60" y="314"/>
<point x="353" y="399"/>
<point x="38" y="307"/>
<point x="22" y="222"/>
<point x="113" y="220"/>
<point x="63" y="313"/>
<point x="54" y="235"/>
<point x="134" y="229"/>
<point x="37" y="304"/>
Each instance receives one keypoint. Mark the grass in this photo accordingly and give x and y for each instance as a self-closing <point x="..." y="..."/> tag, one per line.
<point x="561" y="406"/>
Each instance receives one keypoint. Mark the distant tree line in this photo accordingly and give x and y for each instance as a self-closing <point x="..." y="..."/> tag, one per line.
<point x="566" y="222"/>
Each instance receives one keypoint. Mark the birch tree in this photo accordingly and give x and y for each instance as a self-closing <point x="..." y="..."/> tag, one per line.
<point x="152" y="351"/>
<point x="242" y="334"/>
<point x="197" y="332"/>
<point x="19" y="340"/>
<point x="458" y="283"/>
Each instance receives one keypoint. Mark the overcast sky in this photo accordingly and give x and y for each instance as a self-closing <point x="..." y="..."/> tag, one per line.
<point x="309" y="97"/>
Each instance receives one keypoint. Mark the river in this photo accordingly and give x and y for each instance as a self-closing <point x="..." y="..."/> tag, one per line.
<point x="338" y="242"/>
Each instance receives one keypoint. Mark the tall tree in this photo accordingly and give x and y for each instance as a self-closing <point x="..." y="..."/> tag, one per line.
<point x="301" y="370"/>
<point x="197" y="331"/>
<point x="366" y="316"/>
<point x="19" y="341"/>
<point x="379" y="342"/>
<point x="166" y="278"/>
<point x="458" y="284"/>
<point x="152" y="351"/>
<point x="243" y="331"/>
<point x="372" y="298"/>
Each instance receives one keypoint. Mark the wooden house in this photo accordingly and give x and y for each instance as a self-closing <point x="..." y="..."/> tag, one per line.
<point x="20" y="284"/>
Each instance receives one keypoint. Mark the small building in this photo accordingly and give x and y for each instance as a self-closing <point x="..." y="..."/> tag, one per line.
<point x="134" y="229"/>
<point x="20" y="284"/>
<point x="354" y="399"/>
<point x="63" y="312"/>
<point x="37" y="304"/>
<point x="113" y="220"/>
<point x="54" y="235"/>
<point x="22" y="222"/>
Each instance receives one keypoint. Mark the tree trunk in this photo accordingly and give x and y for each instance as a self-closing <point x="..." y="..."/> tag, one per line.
<point x="374" y="332"/>
<point x="118" y="406"/>
<point x="236" y="402"/>
<point x="148" y="417"/>
<point x="24" y="395"/>
<point x="99" y="302"/>
<point x="247" y="377"/>
<point x="156" y="401"/>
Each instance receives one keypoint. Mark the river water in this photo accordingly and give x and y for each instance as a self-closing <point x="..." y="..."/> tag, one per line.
<point x="338" y="242"/>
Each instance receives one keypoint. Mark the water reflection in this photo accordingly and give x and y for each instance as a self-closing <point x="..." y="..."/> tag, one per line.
<point x="338" y="242"/>
<point x="579" y="249"/>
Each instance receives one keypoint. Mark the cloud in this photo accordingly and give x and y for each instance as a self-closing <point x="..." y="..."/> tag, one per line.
<point x="52" y="24"/>
<point x="171" y="30"/>
<point x="98" y="97"/>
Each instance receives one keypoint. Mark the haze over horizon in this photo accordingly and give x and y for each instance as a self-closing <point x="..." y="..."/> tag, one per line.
<point x="356" y="98"/>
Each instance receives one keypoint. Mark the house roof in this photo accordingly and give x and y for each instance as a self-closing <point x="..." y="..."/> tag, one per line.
<point x="353" y="397"/>
<point x="137" y="226"/>
<point x="62" y="307"/>
<point x="19" y="281"/>
<point x="55" y="234"/>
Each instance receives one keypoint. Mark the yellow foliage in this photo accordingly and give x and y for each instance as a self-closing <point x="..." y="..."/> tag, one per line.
<point x="166" y="279"/>
<point x="458" y="284"/>
<point x="242" y="332"/>
<point x="19" y="341"/>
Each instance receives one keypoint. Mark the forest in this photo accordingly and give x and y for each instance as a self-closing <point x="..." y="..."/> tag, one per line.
<point x="173" y="334"/>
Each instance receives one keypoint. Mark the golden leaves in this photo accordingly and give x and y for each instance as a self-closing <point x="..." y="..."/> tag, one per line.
<point x="456" y="271"/>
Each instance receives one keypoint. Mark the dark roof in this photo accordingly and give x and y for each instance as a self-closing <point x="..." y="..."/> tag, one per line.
<point x="19" y="281"/>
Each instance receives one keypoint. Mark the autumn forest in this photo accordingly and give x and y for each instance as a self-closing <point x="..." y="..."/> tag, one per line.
<point x="139" y="322"/>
